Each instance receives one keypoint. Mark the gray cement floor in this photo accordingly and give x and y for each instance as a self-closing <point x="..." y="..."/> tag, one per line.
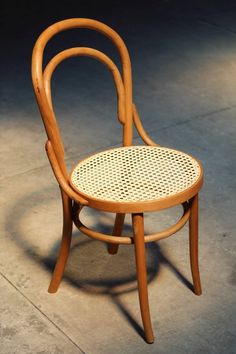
<point x="184" y="68"/>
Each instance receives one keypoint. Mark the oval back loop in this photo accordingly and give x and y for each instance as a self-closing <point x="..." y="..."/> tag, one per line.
<point x="41" y="79"/>
<point x="93" y="53"/>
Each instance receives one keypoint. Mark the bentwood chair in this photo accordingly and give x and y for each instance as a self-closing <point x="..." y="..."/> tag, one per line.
<point x="129" y="179"/>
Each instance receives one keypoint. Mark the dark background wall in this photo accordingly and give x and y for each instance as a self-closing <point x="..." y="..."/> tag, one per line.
<point x="182" y="54"/>
<point x="146" y="26"/>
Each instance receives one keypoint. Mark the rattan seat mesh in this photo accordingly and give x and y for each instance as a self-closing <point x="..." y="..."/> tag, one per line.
<point x="135" y="173"/>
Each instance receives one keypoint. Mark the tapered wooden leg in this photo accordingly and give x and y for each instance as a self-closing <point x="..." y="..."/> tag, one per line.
<point x="193" y="243"/>
<point x="141" y="269"/>
<point x="117" y="230"/>
<point x="65" y="244"/>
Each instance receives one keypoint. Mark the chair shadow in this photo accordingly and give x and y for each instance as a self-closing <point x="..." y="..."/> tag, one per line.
<point x="110" y="283"/>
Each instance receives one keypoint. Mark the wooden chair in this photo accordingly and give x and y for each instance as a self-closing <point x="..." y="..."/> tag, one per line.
<point x="129" y="179"/>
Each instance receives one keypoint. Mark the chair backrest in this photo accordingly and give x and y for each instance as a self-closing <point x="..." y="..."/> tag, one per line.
<point x="42" y="79"/>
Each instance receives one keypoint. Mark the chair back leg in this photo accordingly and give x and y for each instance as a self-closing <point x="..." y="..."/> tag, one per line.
<point x="65" y="244"/>
<point x="193" y="244"/>
<point x="117" y="230"/>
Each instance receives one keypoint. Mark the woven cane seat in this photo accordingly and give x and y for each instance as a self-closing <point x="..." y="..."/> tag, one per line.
<point x="135" y="174"/>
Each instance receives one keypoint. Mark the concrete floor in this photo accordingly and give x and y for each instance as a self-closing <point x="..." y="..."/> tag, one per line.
<point x="184" y="69"/>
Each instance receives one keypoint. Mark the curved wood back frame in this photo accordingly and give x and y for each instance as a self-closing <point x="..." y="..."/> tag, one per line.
<point x="93" y="53"/>
<point x="126" y="113"/>
<point x="41" y="79"/>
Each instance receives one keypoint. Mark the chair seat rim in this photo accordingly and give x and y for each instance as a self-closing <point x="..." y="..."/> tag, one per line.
<point x="140" y="205"/>
<point x="143" y="206"/>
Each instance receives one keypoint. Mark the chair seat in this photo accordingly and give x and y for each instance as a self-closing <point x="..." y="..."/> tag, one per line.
<point x="135" y="174"/>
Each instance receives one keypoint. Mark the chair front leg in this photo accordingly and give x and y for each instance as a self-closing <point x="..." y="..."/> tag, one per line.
<point x="141" y="269"/>
<point x="65" y="243"/>
<point x="117" y="230"/>
<point x="193" y="243"/>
